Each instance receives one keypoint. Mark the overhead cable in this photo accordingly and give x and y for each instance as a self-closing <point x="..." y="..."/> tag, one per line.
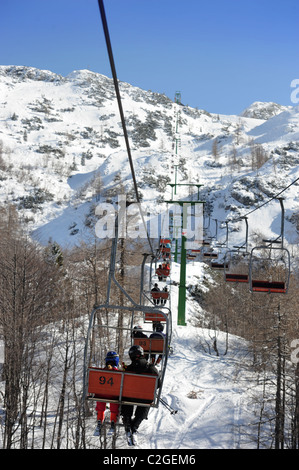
<point x="115" y="80"/>
<point x="266" y="202"/>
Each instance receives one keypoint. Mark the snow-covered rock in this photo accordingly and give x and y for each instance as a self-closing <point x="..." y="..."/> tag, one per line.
<point x="262" y="110"/>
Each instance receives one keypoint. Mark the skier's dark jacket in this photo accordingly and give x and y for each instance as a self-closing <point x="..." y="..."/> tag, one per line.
<point x="141" y="366"/>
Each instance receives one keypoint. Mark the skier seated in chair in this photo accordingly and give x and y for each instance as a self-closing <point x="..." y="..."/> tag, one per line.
<point x="111" y="363"/>
<point x="138" y="333"/>
<point x="164" y="300"/>
<point x="166" y="267"/>
<point x="157" y="334"/>
<point x="156" y="289"/>
<point x="158" y="271"/>
<point x="139" y="365"/>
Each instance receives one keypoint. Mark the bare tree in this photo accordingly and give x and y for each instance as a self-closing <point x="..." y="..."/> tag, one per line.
<point x="25" y="287"/>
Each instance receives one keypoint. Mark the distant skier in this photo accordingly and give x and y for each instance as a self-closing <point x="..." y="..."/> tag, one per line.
<point x="166" y="251"/>
<point x="156" y="289"/>
<point x="138" y="333"/>
<point x="159" y="272"/>
<point x="139" y="365"/>
<point x="111" y="362"/>
<point x="164" y="300"/>
<point x="157" y="334"/>
<point x="166" y="268"/>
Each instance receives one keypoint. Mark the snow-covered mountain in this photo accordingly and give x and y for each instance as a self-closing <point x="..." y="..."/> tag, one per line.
<point x="261" y="110"/>
<point x="62" y="146"/>
<point x="63" y="151"/>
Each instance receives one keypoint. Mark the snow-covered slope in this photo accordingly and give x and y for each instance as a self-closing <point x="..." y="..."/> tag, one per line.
<point x="63" y="150"/>
<point x="213" y="412"/>
<point x="213" y="396"/>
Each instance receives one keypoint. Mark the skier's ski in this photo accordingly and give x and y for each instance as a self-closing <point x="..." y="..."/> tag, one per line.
<point x="112" y="429"/>
<point x="132" y="439"/>
<point x="98" y="429"/>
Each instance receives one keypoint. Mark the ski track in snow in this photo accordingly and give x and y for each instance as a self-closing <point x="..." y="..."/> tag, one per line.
<point x="203" y="388"/>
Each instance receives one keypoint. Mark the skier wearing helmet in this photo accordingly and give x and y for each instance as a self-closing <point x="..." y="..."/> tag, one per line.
<point x="157" y="334"/>
<point x="139" y="365"/>
<point x="111" y="362"/>
<point x="156" y="289"/>
<point x="138" y="333"/>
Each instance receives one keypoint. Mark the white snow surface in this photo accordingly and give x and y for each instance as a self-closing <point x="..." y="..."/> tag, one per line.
<point x="213" y="395"/>
<point x="221" y="409"/>
<point x="209" y="392"/>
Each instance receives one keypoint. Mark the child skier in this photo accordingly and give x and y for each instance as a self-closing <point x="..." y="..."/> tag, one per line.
<point x="112" y="361"/>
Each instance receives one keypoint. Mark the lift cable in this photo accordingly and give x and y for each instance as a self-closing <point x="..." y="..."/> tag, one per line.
<point x="265" y="203"/>
<point x="115" y="80"/>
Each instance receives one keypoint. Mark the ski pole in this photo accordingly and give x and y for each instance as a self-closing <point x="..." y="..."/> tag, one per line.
<point x="172" y="411"/>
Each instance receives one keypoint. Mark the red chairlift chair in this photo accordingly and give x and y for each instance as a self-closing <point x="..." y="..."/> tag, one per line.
<point x="280" y="264"/>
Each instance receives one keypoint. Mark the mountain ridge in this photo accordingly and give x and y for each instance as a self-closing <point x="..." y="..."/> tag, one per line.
<point x="63" y="146"/>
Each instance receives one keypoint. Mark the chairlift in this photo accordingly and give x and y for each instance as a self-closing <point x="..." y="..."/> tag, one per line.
<point x="236" y="267"/>
<point x="210" y="254"/>
<point x="269" y="269"/>
<point x="165" y="247"/>
<point x="225" y="243"/>
<point x="165" y="241"/>
<point x="194" y="248"/>
<point x="151" y="316"/>
<point x="119" y="386"/>
<point x="236" y="261"/>
<point x="162" y="295"/>
<point x="191" y="255"/>
<point x="152" y="345"/>
<point x="122" y="387"/>
<point x="163" y="271"/>
<point x="207" y="239"/>
<point x="219" y="265"/>
<point x="272" y="262"/>
<point x="155" y="295"/>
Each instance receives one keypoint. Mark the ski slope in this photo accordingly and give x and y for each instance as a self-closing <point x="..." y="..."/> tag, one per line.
<point x="209" y="392"/>
<point x="213" y="395"/>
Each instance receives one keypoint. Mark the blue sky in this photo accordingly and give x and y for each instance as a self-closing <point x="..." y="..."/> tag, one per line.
<point x="221" y="55"/>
